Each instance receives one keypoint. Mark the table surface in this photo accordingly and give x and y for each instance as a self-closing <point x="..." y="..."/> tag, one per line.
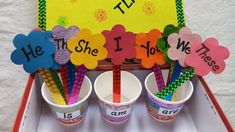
<point x="209" y="18"/>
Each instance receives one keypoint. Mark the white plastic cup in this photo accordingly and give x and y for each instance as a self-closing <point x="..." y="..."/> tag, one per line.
<point x="162" y="110"/>
<point x="131" y="88"/>
<point x="70" y="114"/>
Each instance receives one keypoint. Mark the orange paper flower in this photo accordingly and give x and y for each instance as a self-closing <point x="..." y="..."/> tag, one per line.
<point x="146" y="49"/>
<point x="100" y="15"/>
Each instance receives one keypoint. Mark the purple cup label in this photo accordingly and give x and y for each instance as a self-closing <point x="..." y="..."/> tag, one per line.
<point x="118" y="113"/>
<point x="68" y="116"/>
<point x="169" y="112"/>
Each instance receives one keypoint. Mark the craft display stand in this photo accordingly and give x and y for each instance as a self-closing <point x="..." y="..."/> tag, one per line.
<point x="201" y="113"/>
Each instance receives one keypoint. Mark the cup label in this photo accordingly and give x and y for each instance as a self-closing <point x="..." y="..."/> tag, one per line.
<point x="118" y="113"/>
<point x="169" y="112"/>
<point x="68" y="116"/>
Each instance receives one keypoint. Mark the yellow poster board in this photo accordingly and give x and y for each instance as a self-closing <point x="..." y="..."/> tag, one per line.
<point x="98" y="15"/>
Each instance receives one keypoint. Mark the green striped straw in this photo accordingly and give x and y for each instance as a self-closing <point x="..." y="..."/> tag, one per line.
<point x="176" y="84"/>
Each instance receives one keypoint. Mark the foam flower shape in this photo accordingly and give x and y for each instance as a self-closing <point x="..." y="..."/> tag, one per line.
<point x="180" y="44"/>
<point x="120" y="44"/>
<point x="87" y="49"/>
<point x="33" y="51"/>
<point x="48" y="36"/>
<point x="162" y="43"/>
<point x="207" y="56"/>
<point x="61" y="36"/>
<point x="146" y="49"/>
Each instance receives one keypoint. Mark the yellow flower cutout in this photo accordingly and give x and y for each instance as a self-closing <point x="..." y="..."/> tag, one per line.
<point x="149" y="8"/>
<point x="87" y="49"/>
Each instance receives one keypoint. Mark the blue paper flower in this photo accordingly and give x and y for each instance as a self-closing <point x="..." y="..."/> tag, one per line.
<point x="48" y="36"/>
<point x="33" y="51"/>
<point x="55" y="65"/>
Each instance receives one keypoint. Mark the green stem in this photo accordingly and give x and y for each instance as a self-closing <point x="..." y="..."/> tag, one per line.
<point x="58" y="83"/>
<point x="177" y="83"/>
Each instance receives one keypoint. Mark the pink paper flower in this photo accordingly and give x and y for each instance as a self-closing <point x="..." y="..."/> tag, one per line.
<point x="120" y="44"/>
<point x="180" y="44"/>
<point x="207" y="56"/>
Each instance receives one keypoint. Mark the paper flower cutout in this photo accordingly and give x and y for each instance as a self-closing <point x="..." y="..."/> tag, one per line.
<point x="162" y="43"/>
<point x="61" y="36"/>
<point x="180" y="44"/>
<point x="146" y="49"/>
<point x="33" y="51"/>
<point x="120" y="44"/>
<point x="207" y="56"/>
<point x="149" y="8"/>
<point x="100" y="15"/>
<point x="87" y="49"/>
<point x="48" y="36"/>
<point x="63" y="21"/>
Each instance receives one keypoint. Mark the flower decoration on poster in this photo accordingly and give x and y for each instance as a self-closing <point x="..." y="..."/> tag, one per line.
<point x="87" y="49"/>
<point x="180" y="44"/>
<point x="120" y="44"/>
<point x="207" y="56"/>
<point x="147" y="50"/>
<point x="33" y="51"/>
<point x="149" y="8"/>
<point x="100" y="15"/>
<point x="63" y="21"/>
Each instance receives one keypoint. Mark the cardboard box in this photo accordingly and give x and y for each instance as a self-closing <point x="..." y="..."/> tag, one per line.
<point x="201" y="113"/>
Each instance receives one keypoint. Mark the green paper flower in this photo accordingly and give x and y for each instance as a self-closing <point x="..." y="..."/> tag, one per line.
<point x="162" y="42"/>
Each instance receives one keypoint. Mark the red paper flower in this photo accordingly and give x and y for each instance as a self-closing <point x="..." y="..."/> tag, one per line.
<point x="207" y="56"/>
<point x="120" y="44"/>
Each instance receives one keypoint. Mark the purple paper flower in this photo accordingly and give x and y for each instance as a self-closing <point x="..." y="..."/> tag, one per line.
<point x="61" y="36"/>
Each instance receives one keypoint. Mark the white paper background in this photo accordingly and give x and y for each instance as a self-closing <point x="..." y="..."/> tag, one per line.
<point x="206" y="17"/>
